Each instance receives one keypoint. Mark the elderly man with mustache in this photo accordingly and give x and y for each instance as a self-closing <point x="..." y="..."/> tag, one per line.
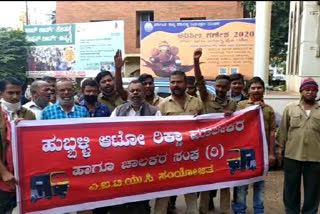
<point x="135" y="106"/>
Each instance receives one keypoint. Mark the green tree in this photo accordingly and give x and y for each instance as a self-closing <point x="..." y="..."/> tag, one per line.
<point x="13" y="53"/>
<point x="279" y="28"/>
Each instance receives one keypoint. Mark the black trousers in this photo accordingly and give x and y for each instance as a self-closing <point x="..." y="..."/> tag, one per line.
<point x="140" y="207"/>
<point x="310" y="172"/>
<point x="101" y="210"/>
<point x="7" y="201"/>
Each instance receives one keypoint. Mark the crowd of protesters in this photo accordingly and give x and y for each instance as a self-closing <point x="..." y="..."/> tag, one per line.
<point x="298" y="137"/>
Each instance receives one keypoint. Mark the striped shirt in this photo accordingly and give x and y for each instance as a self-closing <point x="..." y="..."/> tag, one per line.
<point x="56" y="112"/>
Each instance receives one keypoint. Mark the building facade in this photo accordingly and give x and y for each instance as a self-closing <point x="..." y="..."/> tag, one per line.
<point x="133" y="12"/>
<point x="303" y="58"/>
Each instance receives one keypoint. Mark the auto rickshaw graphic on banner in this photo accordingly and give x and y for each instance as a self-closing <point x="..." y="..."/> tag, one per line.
<point x="134" y="159"/>
<point x="241" y="159"/>
<point x="46" y="186"/>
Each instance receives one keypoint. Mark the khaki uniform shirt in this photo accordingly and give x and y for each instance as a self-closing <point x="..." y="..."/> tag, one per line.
<point x="210" y="102"/>
<point x="299" y="134"/>
<point x="111" y="102"/>
<point x="171" y="107"/>
<point x="156" y="101"/>
<point x="268" y="116"/>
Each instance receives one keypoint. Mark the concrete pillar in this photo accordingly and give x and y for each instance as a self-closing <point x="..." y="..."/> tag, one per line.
<point x="262" y="39"/>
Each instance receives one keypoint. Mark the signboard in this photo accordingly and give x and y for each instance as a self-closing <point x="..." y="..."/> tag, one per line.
<point x="227" y="45"/>
<point x="73" y="50"/>
<point x="78" y="164"/>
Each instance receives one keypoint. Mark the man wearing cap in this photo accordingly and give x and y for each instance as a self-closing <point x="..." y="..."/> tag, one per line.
<point x="299" y="139"/>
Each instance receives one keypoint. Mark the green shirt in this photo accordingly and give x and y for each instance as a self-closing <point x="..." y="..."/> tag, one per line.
<point x="210" y="101"/>
<point x="269" y="117"/>
<point x="111" y="102"/>
<point x="299" y="134"/>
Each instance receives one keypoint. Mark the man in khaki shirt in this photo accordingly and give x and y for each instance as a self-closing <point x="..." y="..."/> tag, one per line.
<point x="299" y="138"/>
<point x="112" y="95"/>
<point x="214" y="104"/>
<point x="256" y="90"/>
<point x="179" y="103"/>
<point x="148" y="83"/>
<point x="112" y="92"/>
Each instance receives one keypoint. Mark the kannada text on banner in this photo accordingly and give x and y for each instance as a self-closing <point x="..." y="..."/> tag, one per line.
<point x="228" y="47"/>
<point x="73" y="50"/>
<point x="70" y="165"/>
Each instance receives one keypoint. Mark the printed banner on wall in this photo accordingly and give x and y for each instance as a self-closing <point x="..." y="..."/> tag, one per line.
<point x="78" y="164"/>
<point x="73" y="50"/>
<point x="227" y="45"/>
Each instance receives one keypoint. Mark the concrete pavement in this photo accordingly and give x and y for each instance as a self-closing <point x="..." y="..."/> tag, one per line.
<point x="273" y="197"/>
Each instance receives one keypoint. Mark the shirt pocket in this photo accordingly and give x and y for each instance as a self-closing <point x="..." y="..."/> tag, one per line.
<point x="295" y="120"/>
<point x="315" y="122"/>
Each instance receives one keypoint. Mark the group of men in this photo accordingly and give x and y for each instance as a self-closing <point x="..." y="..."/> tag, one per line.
<point x="298" y="135"/>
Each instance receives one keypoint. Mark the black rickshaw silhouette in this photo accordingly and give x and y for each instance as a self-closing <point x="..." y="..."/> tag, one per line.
<point x="46" y="186"/>
<point x="241" y="160"/>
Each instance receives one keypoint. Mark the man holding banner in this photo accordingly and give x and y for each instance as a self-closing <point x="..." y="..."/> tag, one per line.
<point x="96" y="163"/>
<point x="11" y="110"/>
<point x="65" y="108"/>
<point x="136" y="106"/>
<point x="256" y="91"/>
<point x="214" y="104"/>
<point x="179" y="103"/>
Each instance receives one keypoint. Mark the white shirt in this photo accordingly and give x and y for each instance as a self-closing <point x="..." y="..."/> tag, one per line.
<point x="132" y="112"/>
<point x="308" y="112"/>
<point x="32" y="106"/>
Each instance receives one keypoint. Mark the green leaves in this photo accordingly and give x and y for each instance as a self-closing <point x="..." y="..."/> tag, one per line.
<point x="13" y="53"/>
<point x="279" y="31"/>
<point x="279" y="28"/>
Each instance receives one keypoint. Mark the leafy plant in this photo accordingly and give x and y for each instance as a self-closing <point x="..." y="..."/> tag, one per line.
<point x="279" y="28"/>
<point x="13" y="53"/>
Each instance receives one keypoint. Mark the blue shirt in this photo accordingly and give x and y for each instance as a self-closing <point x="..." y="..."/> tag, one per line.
<point x="100" y="111"/>
<point x="55" y="112"/>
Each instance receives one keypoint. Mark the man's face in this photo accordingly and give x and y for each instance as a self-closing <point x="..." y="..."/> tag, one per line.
<point x="256" y="91"/>
<point x="136" y="94"/>
<point x="309" y="94"/>
<point x="107" y="84"/>
<point x="90" y="90"/>
<point x="42" y="97"/>
<point x="191" y="89"/>
<point x="237" y="86"/>
<point x="53" y="97"/>
<point x="12" y="93"/>
<point x="149" y="87"/>
<point x="90" y="94"/>
<point x="178" y="85"/>
<point x="65" y="93"/>
<point x="222" y="87"/>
